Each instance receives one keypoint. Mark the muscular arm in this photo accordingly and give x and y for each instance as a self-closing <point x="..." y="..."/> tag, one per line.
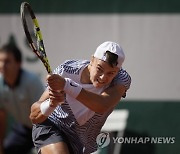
<point x="36" y="116"/>
<point x="102" y="103"/>
<point x="97" y="103"/>
<point x="56" y="97"/>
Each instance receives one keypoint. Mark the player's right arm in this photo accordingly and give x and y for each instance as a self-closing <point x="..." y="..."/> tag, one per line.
<point x="36" y="114"/>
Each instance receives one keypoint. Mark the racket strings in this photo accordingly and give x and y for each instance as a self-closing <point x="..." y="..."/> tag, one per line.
<point x="33" y="34"/>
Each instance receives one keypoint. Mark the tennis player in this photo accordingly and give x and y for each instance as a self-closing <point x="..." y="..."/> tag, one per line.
<point x="69" y="123"/>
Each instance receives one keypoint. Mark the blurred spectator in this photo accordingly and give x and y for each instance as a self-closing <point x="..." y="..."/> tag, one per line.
<point x="19" y="88"/>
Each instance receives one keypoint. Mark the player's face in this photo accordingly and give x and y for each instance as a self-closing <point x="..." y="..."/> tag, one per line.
<point x="101" y="73"/>
<point x="9" y="67"/>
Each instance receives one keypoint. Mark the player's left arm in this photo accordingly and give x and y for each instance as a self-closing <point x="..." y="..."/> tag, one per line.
<point x="103" y="102"/>
<point x="99" y="103"/>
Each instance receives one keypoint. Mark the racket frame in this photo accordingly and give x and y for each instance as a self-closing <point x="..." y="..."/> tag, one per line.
<point x="41" y="54"/>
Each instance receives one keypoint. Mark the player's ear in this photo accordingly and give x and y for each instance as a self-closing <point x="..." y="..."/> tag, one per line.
<point x="92" y="59"/>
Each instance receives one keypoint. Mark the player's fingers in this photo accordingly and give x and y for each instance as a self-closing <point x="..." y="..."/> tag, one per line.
<point x="57" y="96"/>
<point x="60" y="97"/>
<point x="55" y="101"/>
<point x="48" y="77"/>
<point x="56" y="92"/>
<point x="51" y="77"/>
<point x="55" y="87"/>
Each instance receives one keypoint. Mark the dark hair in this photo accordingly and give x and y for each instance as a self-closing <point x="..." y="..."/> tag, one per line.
<point x="111" y="58"/>
<point x="10" y="48"/>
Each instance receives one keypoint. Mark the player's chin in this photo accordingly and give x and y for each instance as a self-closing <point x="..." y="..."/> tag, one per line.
<point x="98" y="85"/>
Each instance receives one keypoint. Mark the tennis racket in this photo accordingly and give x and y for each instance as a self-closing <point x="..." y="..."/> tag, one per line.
<point x="33" y="33"/>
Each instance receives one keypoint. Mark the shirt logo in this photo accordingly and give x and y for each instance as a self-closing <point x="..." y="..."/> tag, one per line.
<point x="73" y="85"/>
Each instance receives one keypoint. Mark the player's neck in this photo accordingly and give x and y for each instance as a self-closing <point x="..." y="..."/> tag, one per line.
<point x="85" y="76"/>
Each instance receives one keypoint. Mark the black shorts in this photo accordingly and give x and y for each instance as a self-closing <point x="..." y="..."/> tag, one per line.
<point x="47" y="133"/>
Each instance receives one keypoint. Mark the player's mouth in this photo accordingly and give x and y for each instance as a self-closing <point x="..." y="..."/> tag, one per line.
<point x="100" y="82"/>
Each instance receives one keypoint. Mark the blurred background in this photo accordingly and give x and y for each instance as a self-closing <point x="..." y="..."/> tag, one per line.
<point x="149" y="33"/>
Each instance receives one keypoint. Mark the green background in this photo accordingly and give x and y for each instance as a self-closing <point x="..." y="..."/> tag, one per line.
<point x="151" y="119"/>
<point x="94" y="6"/>
<point x="155" y="119"/>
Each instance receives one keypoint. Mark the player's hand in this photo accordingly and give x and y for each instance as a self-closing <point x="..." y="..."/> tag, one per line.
<point x="56" y="97"/>
<point x="56" y="82"/>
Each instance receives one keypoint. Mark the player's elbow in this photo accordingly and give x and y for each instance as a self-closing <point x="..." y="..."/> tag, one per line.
<point x="106" y="105"/>
<point x="102" y="109"/>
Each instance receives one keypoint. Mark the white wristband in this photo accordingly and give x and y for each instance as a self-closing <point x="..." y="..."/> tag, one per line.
<point x="45" y="108"/>
<point x="72" y="88"/>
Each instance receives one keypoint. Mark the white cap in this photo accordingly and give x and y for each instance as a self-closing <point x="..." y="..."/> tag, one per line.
<point x="111" y="47"/>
